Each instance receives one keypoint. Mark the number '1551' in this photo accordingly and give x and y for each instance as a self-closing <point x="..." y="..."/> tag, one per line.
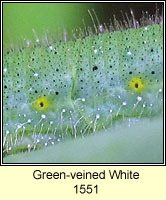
<point x="82" y="189"/>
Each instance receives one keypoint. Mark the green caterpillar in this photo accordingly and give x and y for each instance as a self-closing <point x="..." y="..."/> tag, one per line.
<point x="70" y="89"/>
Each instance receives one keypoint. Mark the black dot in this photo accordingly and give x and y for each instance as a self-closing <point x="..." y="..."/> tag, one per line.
<point x="5" y="86"/>
<point x="41" y="104"/>
<point x="95" y="68"/>
<point x="153" y="72"/>
<point x="136" y="85"/>
<point x="130" y="72"/>
<point x="33" y="59"/>
<point x="55" y="52"/>
<point x="80" y="69"/>
<point x="152" y="50"/>
<point x="57" y="70"/>
<point x="56" y="93"/>
<point x="35" y="91"/>
<point x="110" y="66"/>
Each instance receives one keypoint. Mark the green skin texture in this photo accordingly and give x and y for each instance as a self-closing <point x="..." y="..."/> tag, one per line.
<point x="76" y="79"/>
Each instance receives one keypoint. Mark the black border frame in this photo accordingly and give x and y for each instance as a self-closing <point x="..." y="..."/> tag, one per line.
<point x="82" y="164"/>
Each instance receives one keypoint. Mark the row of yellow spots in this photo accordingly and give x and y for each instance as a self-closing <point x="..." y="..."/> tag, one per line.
<point x="43" y="103"/>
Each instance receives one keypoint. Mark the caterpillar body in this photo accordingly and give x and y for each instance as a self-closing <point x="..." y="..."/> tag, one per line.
<point x="75" y="88"/>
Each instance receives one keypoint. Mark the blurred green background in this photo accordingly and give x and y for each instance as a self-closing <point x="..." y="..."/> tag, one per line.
<point x="20" y="18"/>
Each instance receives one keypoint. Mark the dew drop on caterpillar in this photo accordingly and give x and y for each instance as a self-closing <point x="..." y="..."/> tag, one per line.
<point x="70" y="89"/>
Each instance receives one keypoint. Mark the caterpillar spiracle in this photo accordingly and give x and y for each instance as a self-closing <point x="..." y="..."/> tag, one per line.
<point x="75" y="88"/>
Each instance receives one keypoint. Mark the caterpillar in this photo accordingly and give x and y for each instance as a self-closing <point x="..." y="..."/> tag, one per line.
<point x="69" y="89"/>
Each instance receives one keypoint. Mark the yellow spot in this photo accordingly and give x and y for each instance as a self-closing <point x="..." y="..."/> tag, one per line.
<point x="41" y="103"/>
<point x="136" y="84"/>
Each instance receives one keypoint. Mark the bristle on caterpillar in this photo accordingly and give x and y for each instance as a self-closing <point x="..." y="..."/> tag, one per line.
<point x="56" y="90"/>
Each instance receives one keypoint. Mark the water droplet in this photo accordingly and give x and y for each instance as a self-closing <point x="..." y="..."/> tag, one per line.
<point x="43" y="116"/>
<point x="129" y="53"/>
<point x="139" y="98"/>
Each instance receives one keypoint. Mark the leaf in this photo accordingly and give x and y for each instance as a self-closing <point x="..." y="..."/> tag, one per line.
<point x="140" y="143"/>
